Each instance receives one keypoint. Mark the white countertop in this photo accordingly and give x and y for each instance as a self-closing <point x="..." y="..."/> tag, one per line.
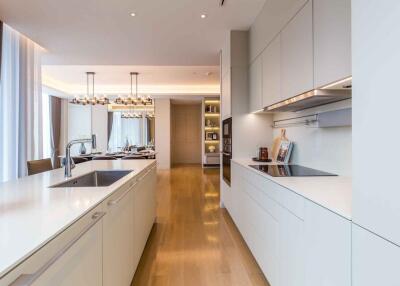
<point x="31" y="214"/>
<point x="333" y="193"/>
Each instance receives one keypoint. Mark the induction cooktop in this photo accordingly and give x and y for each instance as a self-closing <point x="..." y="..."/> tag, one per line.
<point x="290" y="171"/>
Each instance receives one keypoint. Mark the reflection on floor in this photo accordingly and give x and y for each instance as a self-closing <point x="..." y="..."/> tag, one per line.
<point x="194" y="241"/>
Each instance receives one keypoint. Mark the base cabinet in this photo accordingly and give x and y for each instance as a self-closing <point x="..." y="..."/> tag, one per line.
<point x="102" y="248"/>
<point x="80" y="265"/>
<point x="118" y="266"/>
<point x="327" y="242"/>
<point x="294" y="241"/>
<point x="375" y="260"/>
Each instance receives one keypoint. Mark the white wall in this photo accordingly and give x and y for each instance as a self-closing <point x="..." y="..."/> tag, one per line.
<point x="163" y="133"/>
<point x="327" y="149"/>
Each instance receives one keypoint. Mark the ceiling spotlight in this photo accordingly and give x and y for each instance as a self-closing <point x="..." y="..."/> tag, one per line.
<point x="133" y="14"/>
<point x="203" y="16"/>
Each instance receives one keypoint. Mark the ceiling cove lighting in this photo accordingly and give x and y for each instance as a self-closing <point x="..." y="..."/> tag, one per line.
<point x="90" y="99"/>
<point x="134" y="99"/>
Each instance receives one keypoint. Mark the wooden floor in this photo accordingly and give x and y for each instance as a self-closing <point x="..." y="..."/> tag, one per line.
<point x="194" y="242"/>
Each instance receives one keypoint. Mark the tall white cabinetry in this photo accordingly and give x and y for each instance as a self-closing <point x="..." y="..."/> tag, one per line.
<point x="376" y="196"/>
<point x="375" y="260"/>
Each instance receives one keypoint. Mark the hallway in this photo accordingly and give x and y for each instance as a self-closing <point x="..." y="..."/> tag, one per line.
<point x="194" y="241"/>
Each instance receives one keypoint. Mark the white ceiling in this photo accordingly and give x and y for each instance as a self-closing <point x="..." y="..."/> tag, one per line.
<point x="115" y="80"/>
<point x="102" y="32"/>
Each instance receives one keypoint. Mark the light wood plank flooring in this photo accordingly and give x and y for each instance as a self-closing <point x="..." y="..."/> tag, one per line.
<point x="194" y="242"/>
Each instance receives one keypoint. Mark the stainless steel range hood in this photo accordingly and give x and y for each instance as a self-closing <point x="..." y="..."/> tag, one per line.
<point x="310" y="99"/>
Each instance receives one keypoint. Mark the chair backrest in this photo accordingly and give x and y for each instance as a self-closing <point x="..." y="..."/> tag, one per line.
<point x="104" y="158"/>
<point x="39" y="166"/>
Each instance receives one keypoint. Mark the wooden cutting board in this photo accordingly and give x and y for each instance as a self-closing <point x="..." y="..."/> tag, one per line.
<point x="277" y="143"/>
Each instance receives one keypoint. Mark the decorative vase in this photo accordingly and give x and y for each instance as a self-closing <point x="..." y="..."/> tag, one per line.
<point x="82" y="149"/>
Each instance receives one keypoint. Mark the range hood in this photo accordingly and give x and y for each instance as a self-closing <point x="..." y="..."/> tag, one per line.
<point x="310" y="99"/>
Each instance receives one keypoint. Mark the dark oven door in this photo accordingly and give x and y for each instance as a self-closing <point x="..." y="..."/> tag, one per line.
<point x="226" y="167"/>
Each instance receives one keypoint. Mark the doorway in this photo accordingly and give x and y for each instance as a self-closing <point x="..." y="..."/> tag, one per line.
<point x="185" y="132"/>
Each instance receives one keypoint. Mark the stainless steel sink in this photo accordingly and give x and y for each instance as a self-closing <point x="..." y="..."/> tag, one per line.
<point x="94" y="179"/>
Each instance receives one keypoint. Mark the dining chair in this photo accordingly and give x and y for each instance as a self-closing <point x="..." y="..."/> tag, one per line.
<point x="39" y="166"/>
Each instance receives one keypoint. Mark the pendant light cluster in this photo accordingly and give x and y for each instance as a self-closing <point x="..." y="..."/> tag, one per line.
<point x="131" y="99"/>
<point x="91" y="99"/>
<point x="134" y="99"/>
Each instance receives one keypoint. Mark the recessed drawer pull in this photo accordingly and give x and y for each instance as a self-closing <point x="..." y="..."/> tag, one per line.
<point x="29" y="279"/>
<point x="116" y="201"/>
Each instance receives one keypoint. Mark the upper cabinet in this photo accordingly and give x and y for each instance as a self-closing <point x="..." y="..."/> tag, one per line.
<point x="308" y="46"/>
<point x="332" y="41"/>
<point x="297" y="74"/>
<point x="255" y="85"/>
<point x="271" y="76"/>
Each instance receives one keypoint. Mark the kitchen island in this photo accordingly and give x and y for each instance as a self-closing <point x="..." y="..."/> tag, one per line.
<point x="37" y="221"/>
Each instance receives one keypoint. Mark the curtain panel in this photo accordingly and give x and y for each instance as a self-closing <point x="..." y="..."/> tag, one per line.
<point x="110" y="120"/>
<point x="55" y="128"/>
<point x="20" y="104"/>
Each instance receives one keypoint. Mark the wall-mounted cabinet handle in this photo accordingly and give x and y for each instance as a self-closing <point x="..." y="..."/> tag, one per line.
<point x="116" y="201"/>
<point x="29" y="279"/>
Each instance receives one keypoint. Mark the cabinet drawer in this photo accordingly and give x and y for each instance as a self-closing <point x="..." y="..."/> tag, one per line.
<point x="286" y="198"/>
<point x="80" y="265"/>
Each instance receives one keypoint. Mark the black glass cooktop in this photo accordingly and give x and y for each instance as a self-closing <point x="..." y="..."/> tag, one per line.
<point x="290" y="171"/>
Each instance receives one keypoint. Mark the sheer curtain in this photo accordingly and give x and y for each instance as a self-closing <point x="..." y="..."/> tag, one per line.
<point x="20" y="104"/>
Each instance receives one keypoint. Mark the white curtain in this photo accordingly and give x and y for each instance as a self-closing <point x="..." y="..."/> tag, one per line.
<point x="20" y="104"/>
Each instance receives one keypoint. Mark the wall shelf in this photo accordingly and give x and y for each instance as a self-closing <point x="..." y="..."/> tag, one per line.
<point x="211" y="129"/>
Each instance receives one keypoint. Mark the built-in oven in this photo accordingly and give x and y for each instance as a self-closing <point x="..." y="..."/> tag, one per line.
<point x="226" y="150"/>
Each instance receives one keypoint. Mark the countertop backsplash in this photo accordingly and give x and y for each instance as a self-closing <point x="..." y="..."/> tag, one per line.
<point x="327" y="149"/>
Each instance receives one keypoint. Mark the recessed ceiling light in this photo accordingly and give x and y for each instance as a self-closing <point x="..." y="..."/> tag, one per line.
<point x="133" y="14"/>
<point x="203" y="16"/>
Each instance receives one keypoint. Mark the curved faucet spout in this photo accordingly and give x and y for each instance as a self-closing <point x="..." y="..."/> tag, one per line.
<point x="69" y="164"/>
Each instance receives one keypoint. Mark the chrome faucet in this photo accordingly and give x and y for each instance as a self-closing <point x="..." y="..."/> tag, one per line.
<point x="69" y="163"/>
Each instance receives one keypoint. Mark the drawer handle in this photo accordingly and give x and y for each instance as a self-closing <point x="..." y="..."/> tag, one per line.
<point x="116" y="201"/>
<point x="29" y="279"/>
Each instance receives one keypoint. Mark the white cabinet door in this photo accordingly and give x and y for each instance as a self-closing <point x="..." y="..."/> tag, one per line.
<point x="291" y="249"/>
<point x="328" y="247"/>
<point x="376" y="61"/>
<point x="80" y="265"/>
<point x="332" y="40"/>
<point x="143" y="212"/>
<point x="297" y="54"/>
<point x="118" y="268"/>
<point x="255" y="85"/>
<point x="271" y="73"/>
<point x="226" y="95"/>
<point x="375" y="260"/>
